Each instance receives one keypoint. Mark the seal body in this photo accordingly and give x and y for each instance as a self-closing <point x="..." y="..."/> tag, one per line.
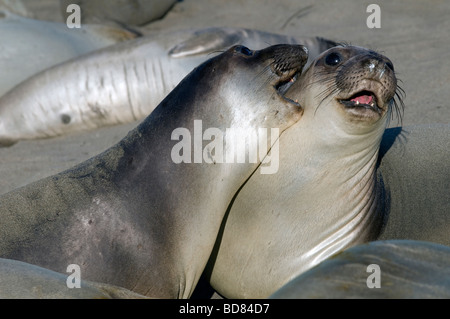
<point x="30" y="46"/>
<point x="326" y="195"/>
<point x="136" y="217"/>
<point x="19" y="280"/>
<point x="381" y="269"/>
<point x="119" y="84"/>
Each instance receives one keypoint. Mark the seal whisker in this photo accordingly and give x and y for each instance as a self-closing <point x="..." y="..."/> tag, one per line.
<point x="266" y="75"/>
<point x="398" y="99"/>
<point x="329" y="91"/>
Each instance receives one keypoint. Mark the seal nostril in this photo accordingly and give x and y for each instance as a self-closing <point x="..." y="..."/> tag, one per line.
<point x="371" y="64"/>
<point x="390" y="65"/>
<point x="243" y="50"/>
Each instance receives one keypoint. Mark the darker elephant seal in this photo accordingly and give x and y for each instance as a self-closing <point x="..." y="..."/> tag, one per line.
<point x="138" y="217"/>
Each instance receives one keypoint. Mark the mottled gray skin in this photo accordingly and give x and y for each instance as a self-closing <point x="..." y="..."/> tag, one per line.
<point x="30" y="46"/>
<point x="415" y="167"/>
<point x="132" y="217"/>
<point x="407" y="268"/>
<point x="119" y="84"/>
<point x="128" y="12"/>
<point x="326" y="195"/>
<point x="19" y="280"/>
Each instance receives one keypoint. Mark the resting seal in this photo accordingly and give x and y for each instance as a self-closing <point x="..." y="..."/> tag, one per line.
<point x="132" y="216"/>
<point x="19" y="280"/>
<point x="407" y="269"/>
<point x="119" y="84"/>
<point x="326" y="195"/>
<point x="30" y="46"/>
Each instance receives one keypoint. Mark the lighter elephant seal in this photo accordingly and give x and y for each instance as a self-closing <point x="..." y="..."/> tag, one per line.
<point x="326" y="195"/>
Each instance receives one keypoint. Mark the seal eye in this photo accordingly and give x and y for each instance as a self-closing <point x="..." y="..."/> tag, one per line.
<point x="243" y="50"/>
<point x="333" y="59"/>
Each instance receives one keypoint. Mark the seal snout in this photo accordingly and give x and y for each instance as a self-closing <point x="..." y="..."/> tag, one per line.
<point x="377" y="67"/>
<point x="367" y="83"/>
<point x="289" y="59"/>
<point x="287" y="63"/>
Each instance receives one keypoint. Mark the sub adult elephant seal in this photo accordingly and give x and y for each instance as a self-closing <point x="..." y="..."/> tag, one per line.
<point x="19" y="280"/>
<point x="144" y="215"/>
<point x="381" y="269"/>
<point x="29" y="46"/>
<point x="326" y="195"/>
<point x="119" y="84"/>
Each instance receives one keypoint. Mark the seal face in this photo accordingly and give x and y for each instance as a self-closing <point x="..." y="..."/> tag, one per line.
<point x="326" y="195"/>
<point x="132" y="216"/>
<point x="361" y="80"/>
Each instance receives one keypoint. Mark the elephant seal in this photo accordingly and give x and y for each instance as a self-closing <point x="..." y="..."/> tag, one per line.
<point x="326" y="195"/>
<point x="119" y="84"/>
<point x="19" y="280"/>
<point x="381" y="269"/>
<point x="43" y="44"/>
<point x="137" y="217"/>
<point x="123" y="12"/>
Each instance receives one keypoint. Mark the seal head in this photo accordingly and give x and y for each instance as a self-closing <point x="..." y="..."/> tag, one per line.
<point x="362" y="81"/>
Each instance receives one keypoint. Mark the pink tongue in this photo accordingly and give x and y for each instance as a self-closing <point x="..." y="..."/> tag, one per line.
<point x="364" y="99"/>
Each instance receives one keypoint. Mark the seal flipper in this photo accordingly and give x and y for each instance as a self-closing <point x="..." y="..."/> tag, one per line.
<point x="206" y="41"/>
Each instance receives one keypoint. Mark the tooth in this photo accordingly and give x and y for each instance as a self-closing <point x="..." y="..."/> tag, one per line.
<point x="357" y="102"/>
<point x="291" y="80"/>
<point x="372" y="104"/>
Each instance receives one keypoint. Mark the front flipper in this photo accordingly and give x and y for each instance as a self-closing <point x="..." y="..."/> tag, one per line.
<point x="207" y="41"/>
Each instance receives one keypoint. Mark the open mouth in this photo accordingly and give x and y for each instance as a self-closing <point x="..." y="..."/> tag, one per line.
<point x="363" y="99"/>
<point x="283" y="86"/>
